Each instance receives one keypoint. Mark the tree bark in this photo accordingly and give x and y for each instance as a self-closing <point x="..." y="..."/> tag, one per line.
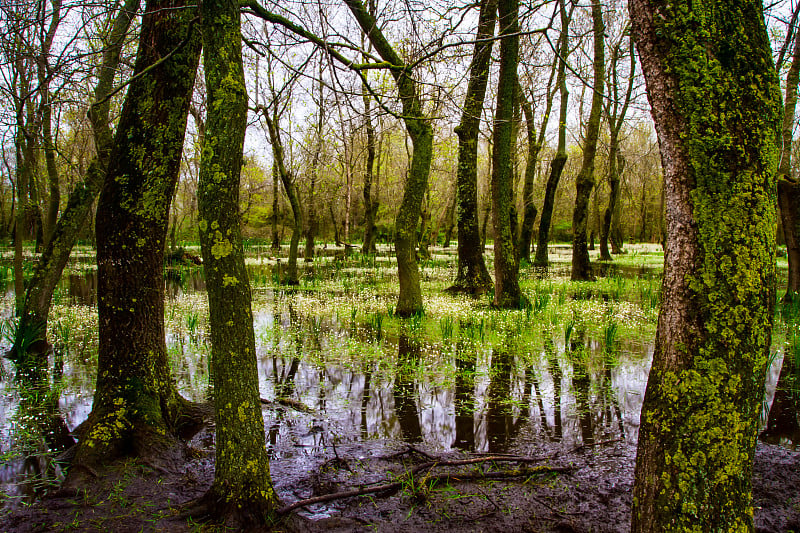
<point x="717" y="131"/>
<point x="560" y="159"/>
<point x="137" y="409"/>
<point x="615" y="116"/>
<point x="276" y="238"/>
<point x="47" y="273"/>
<point x="242" y="486"/>
<point x="292" y="277"/>
<point x="788" y="186"/>
<point x="584" y="183"/>
<point x="473" y="277"/>
<point x="409" y="301"/>
<point x="507" y="293"/>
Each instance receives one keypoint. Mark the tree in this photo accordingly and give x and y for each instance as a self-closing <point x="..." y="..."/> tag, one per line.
<point x="560" y="159"/>
<point x="788" y="185"/>
<point x="242" y="485"/>
<point x="39" y="294"/>
<point x="507" y="294"/>
<point x="584" y="183"/>
<point x="289" y="187"/>
<point x="418" y="126"/>
<point x="137" y="409"/>
<point x="615" y="111"/>
<point x="714" y="97"/>
<point x="472" y="276"/>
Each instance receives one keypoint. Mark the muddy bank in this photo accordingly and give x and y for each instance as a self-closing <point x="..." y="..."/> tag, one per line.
<point x="555" y="489"/>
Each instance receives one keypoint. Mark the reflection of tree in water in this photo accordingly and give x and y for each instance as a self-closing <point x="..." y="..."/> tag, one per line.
<point x="783" y="424"/>
<point x="578" y="355"/>
<point x="405" y="406"/>
<point x="499" y="426"/>
<point x="599" y="414"/>
<point x="464" y="402"/>
<point x="555" y="372"/>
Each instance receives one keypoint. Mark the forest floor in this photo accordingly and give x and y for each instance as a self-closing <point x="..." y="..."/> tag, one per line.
<point x="547" y="489"/>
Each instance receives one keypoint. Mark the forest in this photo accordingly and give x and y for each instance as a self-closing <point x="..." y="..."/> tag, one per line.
<point x="400" y="266"/>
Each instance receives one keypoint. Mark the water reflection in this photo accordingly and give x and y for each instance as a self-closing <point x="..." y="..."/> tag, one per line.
<point x="329" y="383"/>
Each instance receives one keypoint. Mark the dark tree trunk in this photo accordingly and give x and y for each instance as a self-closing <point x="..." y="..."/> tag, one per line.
<point x="788" y="186"/>
<point x="47" y="273"/>
<point x="534" y="148"/>
<point x="473" y="277"/>
<point x="242" y="487"/>
<point x="507" y="293"/>
<point x="701" y="409"/>
<point x="276" y="238"/>
<point x="419" y="128"/>
<point x="615" y="115"/>
<point x="560" y="159"/>
<point x="370" y="204"/>
<point x="137" y="409"/>
<point x="449" y="220"/>
<point x="292" y="277"/>
<point x="584" y="183"/>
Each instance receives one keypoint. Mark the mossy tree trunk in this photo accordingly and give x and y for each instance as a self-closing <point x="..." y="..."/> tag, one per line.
<point x="418" y="126"/>
<point x="242" y="485"/>
<point x="715" y="100"/>
<point x="507" y="293"/>
<point x="615" y="112"/>
<point x="291" y="277"/>
<point x="584" y="183"/>
<point x="137" y="409"/>
<point x="788" y="185"/>
<point x="560" y="159"/>
<point x="472" y="276"/>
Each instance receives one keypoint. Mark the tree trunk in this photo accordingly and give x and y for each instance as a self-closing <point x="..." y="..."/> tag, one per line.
<point x="584" y="183"/>
<point x="137" y="409"/>
<point x="47" y="273"/>
<point x="409" y="301"/>
<point x="615" y="115"/>
<point x="292" y="277"/>
<point x="717" y="132"/>
<point x="560" y="159"/>
<point x="448" y="219"/>
<point x="276" y="238"/>
<point x="313" y="223"/>
<point x="507" y="294"/>
<point x="370" y="205"/>
<point x="788" y="187"/>
<point x="473" y="277"/>
<point x="242" y="485"/>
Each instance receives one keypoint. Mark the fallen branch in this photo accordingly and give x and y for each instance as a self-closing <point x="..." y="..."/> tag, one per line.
<point x="288" y="402"/>
<point x="396" y="485"/>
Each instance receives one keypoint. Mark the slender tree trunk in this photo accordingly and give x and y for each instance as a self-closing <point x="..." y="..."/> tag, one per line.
<point x="701" y="409"/>
<point x="560" y="159"/>
<point x="507" y="294"/>
<point x="292" y="277"/>
<point x="473" y="277"/>
<point x="615" y="115"/>
<point x="581" y="267"/>
<point x="242" y="486"/>
<point x="56" y="254"/>
<point x="137" y="409"/>
<point x="788" y="186"/>
<point x="448" y="219"/>
<point x="370" y="204"/>
<point x="409" y="301"/>
<point x="276" y="238"/>
<point x="313" y="223"/>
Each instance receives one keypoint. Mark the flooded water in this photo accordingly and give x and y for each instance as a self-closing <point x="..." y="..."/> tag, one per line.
<point x="336" y="370"/>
